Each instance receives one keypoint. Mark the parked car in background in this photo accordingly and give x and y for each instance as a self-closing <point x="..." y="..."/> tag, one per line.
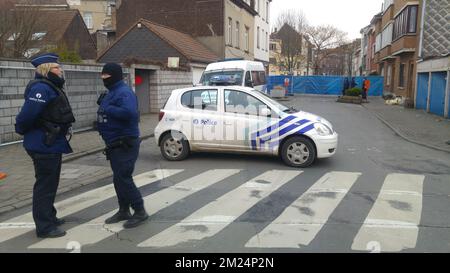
<point x="236" y="72"/>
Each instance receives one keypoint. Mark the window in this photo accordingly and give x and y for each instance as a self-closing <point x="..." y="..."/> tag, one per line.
<point x="200" y="99"/>
<point x="378" y="43"/>
<point x="257" y="38"/>
<point x="389" y="75"/>
<point x="267" y="41"/>
<point x="87" y="17"/>
<point x="242" y="103"/>
<point x="405" y="22"/>
<point x="230" y="31"/>
<point x="273" y="47"/>
<point x="237" y="34"/>
<point x="247" y="38"/>
<point x="248" y="79"/>
<point x="263" y="43"/>
<point x="386" y="36"/>
<point x="401" y="76"/>
<point x="267" y="12"/>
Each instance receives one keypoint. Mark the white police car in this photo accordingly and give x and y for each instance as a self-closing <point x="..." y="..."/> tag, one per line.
<point x="241" y="120"/>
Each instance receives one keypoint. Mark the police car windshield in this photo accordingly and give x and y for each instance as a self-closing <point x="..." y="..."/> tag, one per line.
<point x="222" y="77"/>
<point x="280" y="106"/>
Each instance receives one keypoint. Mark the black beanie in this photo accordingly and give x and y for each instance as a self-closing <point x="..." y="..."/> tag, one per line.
<point x="115" y="71"/>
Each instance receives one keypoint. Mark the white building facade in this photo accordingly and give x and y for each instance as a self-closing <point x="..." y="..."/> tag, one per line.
<point x="262" y="31"/>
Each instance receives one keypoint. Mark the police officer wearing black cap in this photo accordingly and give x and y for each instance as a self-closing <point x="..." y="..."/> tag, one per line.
<point x="118" y="124"/>
<point x="45" y="120"/>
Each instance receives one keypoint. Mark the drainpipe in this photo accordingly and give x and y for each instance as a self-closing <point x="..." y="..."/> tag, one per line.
<point x="447" y="97"/>
<point x="422" y="23"/>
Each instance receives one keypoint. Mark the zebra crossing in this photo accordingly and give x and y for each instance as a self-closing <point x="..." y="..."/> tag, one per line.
<point x="392" y="221"/>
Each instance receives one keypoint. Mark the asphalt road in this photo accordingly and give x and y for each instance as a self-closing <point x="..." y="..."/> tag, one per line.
<point x="378" y="193"/>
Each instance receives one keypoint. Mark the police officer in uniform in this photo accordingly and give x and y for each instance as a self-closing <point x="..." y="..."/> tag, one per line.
<point x="118" y="124"/>
<point x="45" y="120"/>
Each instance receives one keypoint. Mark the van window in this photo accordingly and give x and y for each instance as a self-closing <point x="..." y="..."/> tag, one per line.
<point x="248" y="79"/>
<point x="200" y="99"/>
<point x="255" y="76"/>
<point x="262" y="77"/>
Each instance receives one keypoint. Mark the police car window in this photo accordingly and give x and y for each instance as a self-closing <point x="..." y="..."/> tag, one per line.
<point x="242" y="103"/>
<point x="200" y="99"/>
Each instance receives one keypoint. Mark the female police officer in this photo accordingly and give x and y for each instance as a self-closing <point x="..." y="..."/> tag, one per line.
<point x="44" y="120"/>
<point x="118" y="125"/>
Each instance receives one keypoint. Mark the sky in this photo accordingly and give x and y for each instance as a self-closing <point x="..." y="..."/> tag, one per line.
<point x="347" y="15"/>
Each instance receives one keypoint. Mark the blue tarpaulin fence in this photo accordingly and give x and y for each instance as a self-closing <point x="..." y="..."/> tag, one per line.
<point x="323" y="85"/>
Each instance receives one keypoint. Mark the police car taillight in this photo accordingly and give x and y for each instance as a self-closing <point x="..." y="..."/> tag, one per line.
<point x="161" y="115"/>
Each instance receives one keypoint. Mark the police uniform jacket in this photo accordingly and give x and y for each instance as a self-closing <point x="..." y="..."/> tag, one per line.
<point x="118" y="114"/>
<point x="37" y="99"/>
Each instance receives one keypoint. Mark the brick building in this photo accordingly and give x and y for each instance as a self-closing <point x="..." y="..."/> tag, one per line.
<point x="226" y="27"/>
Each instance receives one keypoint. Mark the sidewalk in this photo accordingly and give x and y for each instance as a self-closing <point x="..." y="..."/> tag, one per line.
<point x="413" y="125"/>
<point x="17" y="188"/>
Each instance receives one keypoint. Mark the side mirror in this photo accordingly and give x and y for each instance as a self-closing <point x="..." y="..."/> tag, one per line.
<point x="265" y="112"/>
<point x="249" y="84"/>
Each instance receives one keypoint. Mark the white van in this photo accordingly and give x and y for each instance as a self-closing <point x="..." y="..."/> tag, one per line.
<point x="236" y="72"/>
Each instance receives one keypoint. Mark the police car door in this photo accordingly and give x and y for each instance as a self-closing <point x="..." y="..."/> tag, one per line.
<point x="205" y="121"/>
<point x="243" y="118"/>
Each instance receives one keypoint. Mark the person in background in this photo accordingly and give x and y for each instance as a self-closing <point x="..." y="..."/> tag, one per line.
<point x="366" y="86"/>
<point x="346" y="86"/>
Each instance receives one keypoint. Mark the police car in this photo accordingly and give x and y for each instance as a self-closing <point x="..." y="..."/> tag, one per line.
<point x="241" y="120"/>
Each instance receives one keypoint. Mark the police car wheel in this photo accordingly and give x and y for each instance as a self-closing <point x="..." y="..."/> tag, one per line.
<point x="298" y="152"/>
<point x="174" y="148"/>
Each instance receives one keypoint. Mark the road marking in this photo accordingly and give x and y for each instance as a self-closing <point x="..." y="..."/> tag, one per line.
<point x="212" y="218"/>
<point x="95" y="230"/>
<point x="24" y="223"/>
<point x="299" y="223"/>
<point x="394" y="218"/>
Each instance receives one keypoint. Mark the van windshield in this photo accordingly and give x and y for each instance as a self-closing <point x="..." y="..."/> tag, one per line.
<point x="222" y="77"/>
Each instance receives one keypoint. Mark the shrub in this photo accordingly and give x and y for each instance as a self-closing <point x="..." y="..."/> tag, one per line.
<point x="354" y="92"/>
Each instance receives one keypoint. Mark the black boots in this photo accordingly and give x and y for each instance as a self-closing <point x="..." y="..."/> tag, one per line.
<point x="122" y="215"/>
<point x="139" y="217"/>
<point x="55" y="233"/>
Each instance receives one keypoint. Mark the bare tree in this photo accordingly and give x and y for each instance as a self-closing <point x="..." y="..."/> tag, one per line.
<point x="17" y="27"/>
<point x="324" y="37"/>
<point x="291" y="25"/>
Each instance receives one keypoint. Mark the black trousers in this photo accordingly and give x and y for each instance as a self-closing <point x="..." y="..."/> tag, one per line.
<point x="122" y="161"/>
<point x="47" y="169"/>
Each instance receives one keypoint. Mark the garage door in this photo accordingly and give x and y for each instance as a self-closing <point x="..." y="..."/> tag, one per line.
<point x="422" y="91"/>
<point x="437" y="93"/>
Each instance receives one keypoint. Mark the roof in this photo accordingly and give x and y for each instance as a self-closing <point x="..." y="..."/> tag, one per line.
<point x="192" y="49"/>
<point x="55" y="32"/>
<point x="184" y="43"/>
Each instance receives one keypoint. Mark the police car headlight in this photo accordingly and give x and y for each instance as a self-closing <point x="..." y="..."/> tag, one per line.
<point x="322" y="129"/>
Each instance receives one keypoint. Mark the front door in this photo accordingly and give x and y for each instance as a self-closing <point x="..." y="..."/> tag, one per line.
<point x="243" y="122"/>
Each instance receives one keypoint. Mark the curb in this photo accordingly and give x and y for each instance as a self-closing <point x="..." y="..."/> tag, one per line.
<point x="399" y="133"/>
<point x="28" y="201"/>
<point x="94" y="151"/>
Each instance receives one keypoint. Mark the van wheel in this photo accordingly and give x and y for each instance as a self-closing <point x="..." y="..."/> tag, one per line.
<point x="174" y="148"/>
<point x="298" y="152"/>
